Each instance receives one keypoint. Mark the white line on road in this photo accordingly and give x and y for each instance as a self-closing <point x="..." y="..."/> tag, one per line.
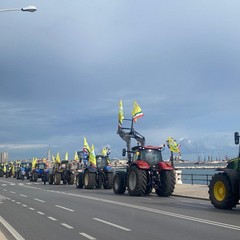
<point x="18" y="203"/>
<point x="52" y="218"/>
<point x="12" y="184"/>
<point x="5" y="190"/>
<point x="112" y="224"/>
<point x="4" y="184"/>
<point x="39" y="200"/>
<point x="41" y="213"/>
<point x="30" y="208"/>
<point x="13" y="200"/>
<point x="24" y="205"/>
<point x="12" y="192"/>
<point x="22" y="195"/>
<point x="87" y="236"/>
<point x="67" y="226"/>
<point x="11" y="229"/>
<point x="68" y="209"/>
<point x="191" y="205"/>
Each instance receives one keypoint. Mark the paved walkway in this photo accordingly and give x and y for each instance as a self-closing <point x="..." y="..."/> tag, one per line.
<point x="192" y="191"/>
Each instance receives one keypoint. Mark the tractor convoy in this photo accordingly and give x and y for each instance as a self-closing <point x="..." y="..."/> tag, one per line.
<point x="145" y="172"/>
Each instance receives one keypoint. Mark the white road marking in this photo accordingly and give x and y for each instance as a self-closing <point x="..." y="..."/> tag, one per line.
<point x="24" y="205"/>
<point x="52" y="218"/>
<point x="1" y="202"/>
<point x="11" y="229"/>
<point x="87" y="236"/>
<point x="22" y="195"/>
<point x="191" y="205"/>
<point x="30" y="208"/>
<point x="21" y="184"/>
<point x="67" y="226"/>
<point x="4" y="184"/>
<point x="65" y="208"/>
<point x="29" y="183"/>
<point x="18" y="203"/>
<point x="12" y="192"/>
<point x="41" y="213"/>
<point x="5" y="190"/>
<point x="13" y="200"/>
<point x="39" y="200"/>
<point x="12" y="184"/>
<point x="112" y="224"/>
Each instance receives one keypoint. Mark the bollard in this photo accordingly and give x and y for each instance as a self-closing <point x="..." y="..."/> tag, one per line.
<point x="178" y="175"/>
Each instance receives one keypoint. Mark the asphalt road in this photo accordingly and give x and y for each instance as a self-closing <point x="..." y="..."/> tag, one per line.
<point x="36" y="211"/>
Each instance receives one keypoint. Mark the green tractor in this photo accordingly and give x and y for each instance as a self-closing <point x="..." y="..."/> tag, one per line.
<point x="224" y="188"/>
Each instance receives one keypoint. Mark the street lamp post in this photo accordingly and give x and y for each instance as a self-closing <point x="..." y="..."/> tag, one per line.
<point x="25" y="9"/>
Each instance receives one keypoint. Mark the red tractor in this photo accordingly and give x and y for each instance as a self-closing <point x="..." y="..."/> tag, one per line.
<point x="146" y="169"/>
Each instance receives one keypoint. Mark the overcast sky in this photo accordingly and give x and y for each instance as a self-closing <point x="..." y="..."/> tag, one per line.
<point x="64" y="69"/>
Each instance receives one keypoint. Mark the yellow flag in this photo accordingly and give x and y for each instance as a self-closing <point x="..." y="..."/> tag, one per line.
<point x="66" y="156"/>
<point x="85" y="145"/>
<point x="104" y="151"/>
<point x="173" y="145"/>
<point x="76" y="158"/>
<point x="34" y="162"/>
<point x="4" y="168"/>
<point x="136" y="112"/>
<point x="92" y="156"/>
<point x="58" y="159"/>
<point x="120" y="114"/>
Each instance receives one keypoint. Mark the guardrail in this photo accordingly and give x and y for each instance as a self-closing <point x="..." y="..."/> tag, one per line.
<point x="196" y="178"/>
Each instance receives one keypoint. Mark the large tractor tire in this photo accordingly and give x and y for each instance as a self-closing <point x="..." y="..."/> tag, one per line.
<point x="137" y="181"/>
<point x="221" y="193"/>
<point x="101" y="180"/>
<point x="34" y="176"/>
<point x="79" y="180"/>
<point x="89" y="180"/>
<point x="57" y="178"/>
<point x="1" y="173"/>
<point x="50" y="179"/>
<point x="71" y="179"/>
<point x="108" y="182"/>
<point x="119" y="183"/>
<point x="7" y="175"/>
<point x="167" y="184"/>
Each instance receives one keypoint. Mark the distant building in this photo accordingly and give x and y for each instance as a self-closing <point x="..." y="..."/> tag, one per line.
<point x="3" y="157"/>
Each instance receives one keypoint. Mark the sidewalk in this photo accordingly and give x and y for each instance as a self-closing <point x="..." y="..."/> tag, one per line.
<point x="191" y="191"/>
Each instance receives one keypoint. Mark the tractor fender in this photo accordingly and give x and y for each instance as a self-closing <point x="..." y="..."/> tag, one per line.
<point x="90" y="169"/>
<point x="141" y="164"/>
<point x="107" y="169"/>
<point x="164" y="166"/>
<point x="234" y="177"/>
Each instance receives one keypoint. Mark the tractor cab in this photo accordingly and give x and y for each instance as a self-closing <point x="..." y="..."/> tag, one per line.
<point x="151" y="155"/>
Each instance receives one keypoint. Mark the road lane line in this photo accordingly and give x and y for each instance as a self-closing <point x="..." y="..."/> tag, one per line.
<point x="52" y="218"/>
<point x="4" y="184"/>
<point x="87" y="236"/>
<point x="24" y="205"/>
<point x="18" y="203"/>
<point x="41" y="213"/>
<point x="11" y="229"/>
<point x="112" y="224"/>
<point x="67" y="226"/>
<point x="65" y="208"/>
<point x="30" y="208"/>
<point x="39" y="200"/>
<point x="5" y="190"/>
<point x="22" y="195"/>
<point x="12" y="192"/>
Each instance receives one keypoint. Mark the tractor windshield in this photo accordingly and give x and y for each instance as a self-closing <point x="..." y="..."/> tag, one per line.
<point x="41" y="166"/>
<point x="101" y="161"/>
<point x="151" y="156"/>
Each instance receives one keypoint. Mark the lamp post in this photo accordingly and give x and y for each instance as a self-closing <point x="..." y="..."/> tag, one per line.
<point x="24" y="9"/>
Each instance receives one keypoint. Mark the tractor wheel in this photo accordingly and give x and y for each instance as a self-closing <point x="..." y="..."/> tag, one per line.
<point x="89" y="180"/>
<point x="50" y="179"/>
<point x="108" y="183"/>
<point x="137" y="181"/>
<point x="221" y="193"/>
<point x="34" y="176"/>
<point x="119" y="183"/>
<point x="7" y="174"/>
<point x="45" y="177"/>
<point x="1" y="173"/>
<point x="79" y="180"/>
<point x="101" y="180"/>
<point x="71" y="179"/>
<point x="57" y="178"/>
<point x="167" y="184"/>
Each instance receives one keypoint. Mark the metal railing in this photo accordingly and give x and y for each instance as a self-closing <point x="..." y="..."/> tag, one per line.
<point x="196" y="178"/>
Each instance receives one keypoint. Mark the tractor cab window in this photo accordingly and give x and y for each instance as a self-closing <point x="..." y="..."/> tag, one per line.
<point x="101" y="162"/>
<point x="151" y="156"/>
<point x="41" y="166"/>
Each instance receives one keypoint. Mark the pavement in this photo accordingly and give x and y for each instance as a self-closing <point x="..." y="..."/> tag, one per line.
<point x="191" y="191"/>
